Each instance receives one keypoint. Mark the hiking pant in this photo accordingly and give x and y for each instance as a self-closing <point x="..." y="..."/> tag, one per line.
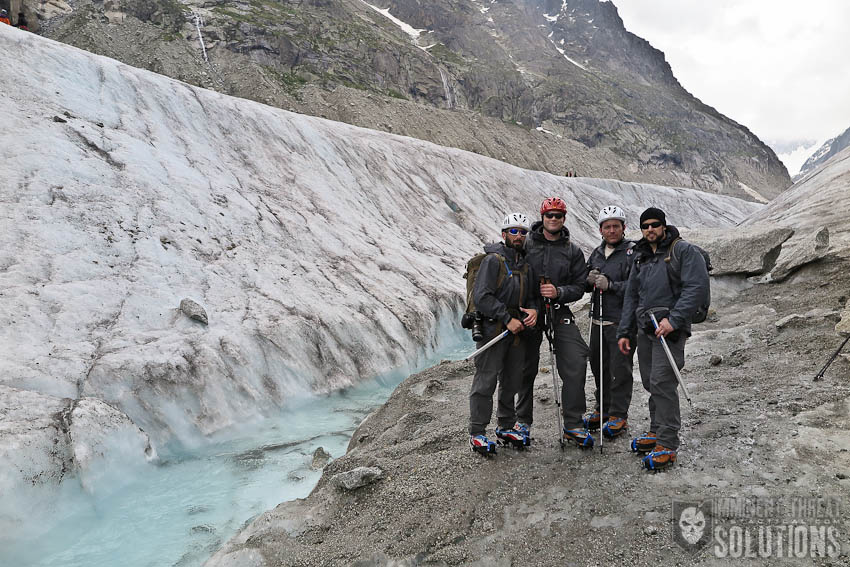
<point x="660" y="381"/>
<point x="571" y="360"/>
<point x="616" y="372"/>
<point x="502" y="363"/>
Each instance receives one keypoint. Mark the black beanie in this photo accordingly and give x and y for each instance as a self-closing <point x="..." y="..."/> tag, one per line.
<point x="653" y="213"/>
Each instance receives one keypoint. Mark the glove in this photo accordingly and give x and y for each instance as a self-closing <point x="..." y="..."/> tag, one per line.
<point x="601" y="282"/>
<point x="591" y="277"/>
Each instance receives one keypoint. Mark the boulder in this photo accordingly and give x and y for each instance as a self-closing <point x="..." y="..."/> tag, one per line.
<point x="320" y="458"/>
<point x="795" y="318"/>
<point x="193" y="311"/>
<point x="357" y="478"/>
<point x="802" y="248"/>
<point x="747" y="250"/>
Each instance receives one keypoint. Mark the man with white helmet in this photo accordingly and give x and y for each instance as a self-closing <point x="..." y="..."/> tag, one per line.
<point x="506" y="298"/>
<point x="609" y="266"/>
<point x="561" y="270"/>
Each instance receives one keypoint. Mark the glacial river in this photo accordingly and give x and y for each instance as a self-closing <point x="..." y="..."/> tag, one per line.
<point x="179" y="510"/>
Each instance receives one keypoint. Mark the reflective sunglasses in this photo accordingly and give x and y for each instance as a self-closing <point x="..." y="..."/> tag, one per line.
<point x="521" y="231"/>
<point x="554" y="215"/>
<point x="647" y="225"/>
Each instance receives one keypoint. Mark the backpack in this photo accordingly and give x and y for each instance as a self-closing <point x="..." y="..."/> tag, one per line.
<point x="674" y="275"/>
<point x="472" y="267"/>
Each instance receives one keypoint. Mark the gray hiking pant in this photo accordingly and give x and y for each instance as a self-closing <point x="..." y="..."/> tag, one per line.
<point x="617" y="376"/>
<point x="502" y="363"/>
<point x="660" y="381"/>
<point x="571" y="360"/>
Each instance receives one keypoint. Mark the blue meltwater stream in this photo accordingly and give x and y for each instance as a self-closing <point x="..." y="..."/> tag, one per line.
<point x="181" y="509"/>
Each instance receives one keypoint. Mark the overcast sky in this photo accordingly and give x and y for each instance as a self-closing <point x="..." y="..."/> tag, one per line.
<point x="779" y="67"/>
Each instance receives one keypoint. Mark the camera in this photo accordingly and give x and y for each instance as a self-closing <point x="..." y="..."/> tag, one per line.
<point x="475" y="322"/>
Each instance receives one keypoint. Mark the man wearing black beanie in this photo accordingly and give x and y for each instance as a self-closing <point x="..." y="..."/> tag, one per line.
<point x="669" y="279"/>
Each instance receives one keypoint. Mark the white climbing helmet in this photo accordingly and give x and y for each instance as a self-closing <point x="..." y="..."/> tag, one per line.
<point x="515" y="220"/>
<point x="611" y="212"/>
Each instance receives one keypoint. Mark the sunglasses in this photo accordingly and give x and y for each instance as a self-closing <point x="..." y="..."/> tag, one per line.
<point x="647" y="225"/>
<point x="521" y="231"/>
<point x="554" y="215"/>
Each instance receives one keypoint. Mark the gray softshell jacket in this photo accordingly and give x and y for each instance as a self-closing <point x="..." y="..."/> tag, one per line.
<point x="503" y="302"/>
<point x="616" y="268"/>
<point x="560" y="261"/>
<point x="650" y="288"/>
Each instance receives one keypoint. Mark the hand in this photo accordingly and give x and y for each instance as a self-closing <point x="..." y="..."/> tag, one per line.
<point x="625" y="346"/>
<point x="601" y="282"/>
<point x="664" y="328"/>
<point x="531" y="318"/>
<point x="548" y="291"/>
<point x="515" y="326"/>
<point x="591" y="277"/>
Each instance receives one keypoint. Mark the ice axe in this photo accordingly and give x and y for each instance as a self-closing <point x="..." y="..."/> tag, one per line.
<point x="492" y="341"/>
<point x="672" y="362"/>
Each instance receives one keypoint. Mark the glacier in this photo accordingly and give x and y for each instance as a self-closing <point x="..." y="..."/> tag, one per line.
<point x="322" y="253"/>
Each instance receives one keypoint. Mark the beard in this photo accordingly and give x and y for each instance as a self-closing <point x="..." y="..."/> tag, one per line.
<point x="517" y="244"/>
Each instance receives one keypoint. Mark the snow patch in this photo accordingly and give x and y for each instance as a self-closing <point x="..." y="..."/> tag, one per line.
<point x="407" y="28"/>
<point x="567" y="57"/>
<point x="752" y="193"/>
<point x="551" y="18"/>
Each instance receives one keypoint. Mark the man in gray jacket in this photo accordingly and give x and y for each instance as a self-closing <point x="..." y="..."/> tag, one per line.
<point x="669" y="278"/>
<point x="506" y="298"/>
<point x="559" y="265"/>
<point x="610" y="264"/>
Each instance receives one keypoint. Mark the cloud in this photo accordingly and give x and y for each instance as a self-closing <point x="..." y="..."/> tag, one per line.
<point x="774" y="66"/>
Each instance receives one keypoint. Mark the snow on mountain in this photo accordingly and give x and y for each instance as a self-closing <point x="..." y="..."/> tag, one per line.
<point x="322" y="253"/>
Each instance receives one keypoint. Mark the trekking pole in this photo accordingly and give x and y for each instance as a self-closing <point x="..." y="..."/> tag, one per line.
<point x="601" y="375"/>
<point x="493" y="341"/>
<point x="550" y="336"/>
<point x="672" y="362"/>
<point x="819" y="375"/>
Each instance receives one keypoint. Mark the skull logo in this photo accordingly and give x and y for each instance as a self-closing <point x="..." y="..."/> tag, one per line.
<point x="692" y="524"/>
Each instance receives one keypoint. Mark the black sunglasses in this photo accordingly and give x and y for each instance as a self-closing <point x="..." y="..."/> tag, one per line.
<point x="521" y="231"/>
<point x="647" y="225"/>
<point x="554" y="215"/>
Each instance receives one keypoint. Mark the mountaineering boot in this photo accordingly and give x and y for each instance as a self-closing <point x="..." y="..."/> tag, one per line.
<point x="592" y="420"/>
<point x="659" y="459"/>
<point x="514" y="437"/>
<point x="481" y="445"/>
<point x="580" y="437"/>
<point x="644" y="443"/>
<point x="615" y="427"/>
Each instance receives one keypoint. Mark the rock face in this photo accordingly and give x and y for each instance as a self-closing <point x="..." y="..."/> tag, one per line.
<point x="807" y="245"/>
<point x="564" y="82"/>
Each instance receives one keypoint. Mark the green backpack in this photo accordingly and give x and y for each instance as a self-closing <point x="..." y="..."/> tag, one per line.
<point x="472" y="267"/>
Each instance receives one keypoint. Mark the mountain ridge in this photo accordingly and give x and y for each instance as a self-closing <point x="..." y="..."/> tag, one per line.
<point x="588" y="95"/>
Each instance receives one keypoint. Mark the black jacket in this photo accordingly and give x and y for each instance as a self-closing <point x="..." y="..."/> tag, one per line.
<point x="616" y="268"/>
<point x="560" y="261"/>
<point x="503" y="302"/>
<point x="649" y="286"/>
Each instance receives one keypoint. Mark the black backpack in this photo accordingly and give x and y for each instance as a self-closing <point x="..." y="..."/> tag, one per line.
<point x="674" y="275"/>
